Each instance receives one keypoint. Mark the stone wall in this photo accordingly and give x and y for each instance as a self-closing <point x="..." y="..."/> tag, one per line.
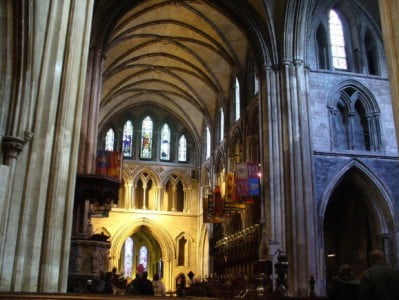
<point x="323" y="84"/>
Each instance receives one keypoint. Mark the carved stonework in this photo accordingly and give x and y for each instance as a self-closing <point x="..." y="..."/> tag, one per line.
<point x="100" y="190"/>
<point x="12" y="146"/>
<point x="87" y="259"/>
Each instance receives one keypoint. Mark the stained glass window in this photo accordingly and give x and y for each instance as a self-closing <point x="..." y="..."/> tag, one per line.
<point x="208" y="143"/>
<point x="146" y="138"/>
<point x="165" y="142"/>
<point x="256" y="83"/>
<point x="182" y="151"/>
<point x="221" y="124"/>
<point x="127" y="139"/>
<point x="143" y="257"/>
<point x="128" y="259"/>
<point x="237" y="99"/>
<point x="337" y="41"/>
<point x="109" y="140"/>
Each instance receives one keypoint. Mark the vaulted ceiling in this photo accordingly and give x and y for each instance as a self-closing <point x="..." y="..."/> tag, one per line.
<point x="179" y="55"/>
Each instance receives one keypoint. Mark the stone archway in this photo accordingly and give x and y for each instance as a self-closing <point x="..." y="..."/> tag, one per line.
<point x="357" y="218"/>
<point x="157" y="233"/>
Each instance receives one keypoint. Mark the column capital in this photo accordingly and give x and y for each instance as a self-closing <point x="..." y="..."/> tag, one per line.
<point x="13" y="146"/>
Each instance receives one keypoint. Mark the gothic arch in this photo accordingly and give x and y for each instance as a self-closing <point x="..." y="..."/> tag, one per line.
<point x="183" y="178"/>
<point x="384" y="206"/>
<point x="151" y="175"/>
<point x="365" y="95"/>
<point x="354" y="117"/>
<point x="156" y="229"/>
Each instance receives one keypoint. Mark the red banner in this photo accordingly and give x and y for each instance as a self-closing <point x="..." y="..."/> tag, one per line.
<point x="109" y="163"/>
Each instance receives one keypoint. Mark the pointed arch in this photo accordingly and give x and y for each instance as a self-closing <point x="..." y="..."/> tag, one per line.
<point x="383" y="206"/>
<point x="110" y="140"/>
<point x="165" y="142"/>
<point x="156" y="229"/>
<point x="182" y="149"/>
<point x="337" y="41"/>
<point x="127" y="143"/>
<point x="146" y="138"/>
<point x="146" y="174"/>
<point x="237" y="100"/>
<point x="175" y="176"/>
<point x="354" y="117"/>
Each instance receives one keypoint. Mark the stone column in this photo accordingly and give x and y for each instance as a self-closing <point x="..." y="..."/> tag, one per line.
<point x="158" y="197"/>
<point x="133" y="203"/>
<point x="300" y="209"/>
<point x="389" y="11"/>
<point x="89" y="129"/>
<point x="144" y="196"/>
<point x="128" y="195"/>
<point x="187" y="194"/>
<point x="174" y="198"/>
<point x="50" y="71"/>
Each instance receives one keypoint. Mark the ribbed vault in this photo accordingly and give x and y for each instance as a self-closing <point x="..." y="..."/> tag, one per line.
<point x="181" y="55"/>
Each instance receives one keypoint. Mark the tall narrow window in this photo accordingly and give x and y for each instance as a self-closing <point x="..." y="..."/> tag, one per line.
<point x="143" y="257"/>
<point x="182" y="152"/>
<point x="127" y="139"/>
<point x="337" y="41"/>
<point x="128" y="258"/>
<point x="208" y="143"/>
<point x="146" y="138"/>
<point x="110" y="140"/>
<point x="237" y="99"/>
<point x="256" y="82"/>
<point x="221" y="124"/>
<point x="165" y="142"/>
<point x="182" y="247"/>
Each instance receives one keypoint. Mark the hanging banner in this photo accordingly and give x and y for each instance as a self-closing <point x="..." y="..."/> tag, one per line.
<point x="101" y="162"/>
<point x="247" y="181"/>
<point x="109" y="163"/>
<point x="253" y="170"/>
<point x="253" y="186"/>
<point x="115" y="164"/>
<point x="241" y="171"/>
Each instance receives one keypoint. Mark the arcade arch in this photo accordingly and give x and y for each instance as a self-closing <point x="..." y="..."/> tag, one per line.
<point x="356" y="217"/>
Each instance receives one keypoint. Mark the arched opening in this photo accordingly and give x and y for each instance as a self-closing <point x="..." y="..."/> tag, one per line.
<point x="179" y="197"/>
<point x="352" y="224"/>
<point x="140" y="252"/>
<point x="139" y="197"/>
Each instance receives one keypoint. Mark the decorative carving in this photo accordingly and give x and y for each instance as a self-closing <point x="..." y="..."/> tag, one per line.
<point x="12" y="146"/>
<point x="100" y="190"/>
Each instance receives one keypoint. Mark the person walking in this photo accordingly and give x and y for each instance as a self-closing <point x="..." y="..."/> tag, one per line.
<point x="380" y="281"/>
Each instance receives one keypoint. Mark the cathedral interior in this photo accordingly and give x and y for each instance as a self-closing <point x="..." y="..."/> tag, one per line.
<point x="242" y="129"/>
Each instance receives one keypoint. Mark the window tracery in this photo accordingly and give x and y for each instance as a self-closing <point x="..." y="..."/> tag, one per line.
<point x="337" y="41"/>
<point x="110" y="140"/>
<point x="165" y="142"/>
<point x="127" y="145"/>
<point x="146" y="138"/>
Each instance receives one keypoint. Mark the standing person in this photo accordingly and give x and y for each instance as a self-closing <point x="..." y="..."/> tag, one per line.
<point x="159" y="288"/>
<point x="380" y="281"/>
<point x="344" y="286"/>
<point x="144" y="286"/>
